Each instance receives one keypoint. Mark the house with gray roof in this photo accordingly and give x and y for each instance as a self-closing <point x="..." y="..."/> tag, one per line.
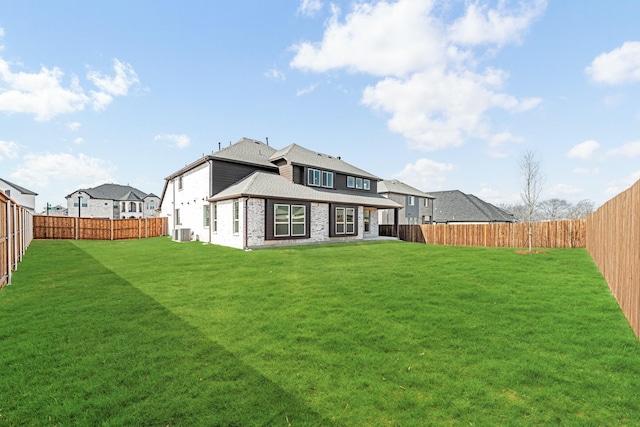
<point x="112" y="201"/>
<point x="251" y="195"/>
<point x="19" y="194"/>
<point x="417" y="205"/>
<point x="456" y="207"/>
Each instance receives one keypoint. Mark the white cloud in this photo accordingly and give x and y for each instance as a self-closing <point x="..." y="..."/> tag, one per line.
<point x="309" y="7"/>
<point x="621" y="65"/>
<point x="436" y="110"/>
<point x="39" y="169"/>
<point x="78" y="141"/>
<point x="618" y="186"/>
<point x="425" y="174"/>
<point x="45" y="95"/>
<point x="180" y="141"/>
<point x="584" y="150"/>
<point x="586" y="171"/>
<point x="307" y="90"/>
<point x="429" y="83"/>
<point x="629" y="150"/>
<point x="275" y="74"/>
<point x="500" y="26"/>
<point x="8" y="150"/>
<point x="41" y="94"/>
<point x="560" y="190"/>
<point x="74" y="126"/>
<point x="118" y="85"/>
<point x="379" y="39"/>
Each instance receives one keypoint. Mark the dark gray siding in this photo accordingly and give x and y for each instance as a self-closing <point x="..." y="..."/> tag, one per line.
<point x="228" y="173"/>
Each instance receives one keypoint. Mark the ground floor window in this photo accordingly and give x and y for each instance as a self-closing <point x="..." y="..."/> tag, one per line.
<point x="236" y="216"/>
<point x="287" y="219"/>
<point x="367" y="221"/>
<point x="206" y="215"/>
<point x="343" y="220"/>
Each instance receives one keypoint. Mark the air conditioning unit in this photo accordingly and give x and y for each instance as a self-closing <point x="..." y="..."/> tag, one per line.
<point x="182" y="235"/>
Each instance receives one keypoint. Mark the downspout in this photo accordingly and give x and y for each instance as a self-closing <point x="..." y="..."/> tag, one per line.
<point x="173" y="206"/>
<point x="9" y="242"/>
<point x="246" y="224"/>
<point x="210" y="195"/>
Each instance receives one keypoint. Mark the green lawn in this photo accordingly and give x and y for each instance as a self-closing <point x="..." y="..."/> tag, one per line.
<point x="152" y="332"/>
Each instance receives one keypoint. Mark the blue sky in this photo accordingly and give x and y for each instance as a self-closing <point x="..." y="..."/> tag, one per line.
<point x="439" y="94"/>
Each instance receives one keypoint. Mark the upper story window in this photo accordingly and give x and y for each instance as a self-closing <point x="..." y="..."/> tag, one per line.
<point x="411" y="200"/>
<point x="327" y="179"/>
<point x="318" y="178"/>
<point x="180" y="183"/>
<point x="152" y="204"/>
<point x="132" y="206"/>
<point x="351" y="182"/>
<point x="358" y="183"/>
<point x="314" y="177"/>
<point x="426" y="202"/>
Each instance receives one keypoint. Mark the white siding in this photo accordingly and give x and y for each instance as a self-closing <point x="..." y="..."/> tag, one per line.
<point x="190" y="200"/>
<point x="225" y="235"/>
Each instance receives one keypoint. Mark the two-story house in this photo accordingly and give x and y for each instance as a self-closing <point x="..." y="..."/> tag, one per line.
<point x="417" y="206"/>
<point x="20" y="195"/>
<point x="112" y="201"/>
<point x="250" y="195"/>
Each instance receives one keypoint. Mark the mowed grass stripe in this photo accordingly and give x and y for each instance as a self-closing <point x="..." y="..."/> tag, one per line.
<point x="81" y="346"/>
<point x="392" y="333"/>
<point x="397" y="333"/>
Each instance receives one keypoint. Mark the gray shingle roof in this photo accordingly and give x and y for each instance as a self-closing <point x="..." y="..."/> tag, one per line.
<point x="269" y="185"/>
<point x="19" y="188"/>
<point x="456" y="206"/>
<point x="399" y="187"/>
<point x="114" y="192"/>
<point x="301" y="156"/>
<point x="247" y="151"/>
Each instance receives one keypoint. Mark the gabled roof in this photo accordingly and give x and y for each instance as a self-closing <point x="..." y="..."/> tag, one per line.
<point x="247" y="151"/>
<point x="19" y="188"/>
<point x="269" y="185"/>
<point x="456" y="206"/>
<point x="114" y="192"/>
<point x="399" y="187"/>
<point x="296" y="154"/>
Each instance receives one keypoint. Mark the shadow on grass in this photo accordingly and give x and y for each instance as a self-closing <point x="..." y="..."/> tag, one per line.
<point x="81" y="346"/>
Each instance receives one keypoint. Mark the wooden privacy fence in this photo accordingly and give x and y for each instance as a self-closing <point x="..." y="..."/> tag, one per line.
<point x="73" y="228"/>
<point x="551" y="234"/>
<point x="16" y="233"/>
<point x="613" y="240"/>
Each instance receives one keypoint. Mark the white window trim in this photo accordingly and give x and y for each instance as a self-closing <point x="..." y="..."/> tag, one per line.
<point x="327" y="174"/>
<point x="311" y="177"/>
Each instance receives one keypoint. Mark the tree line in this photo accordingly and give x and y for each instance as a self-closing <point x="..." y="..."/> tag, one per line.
<point x="550" y="210"/>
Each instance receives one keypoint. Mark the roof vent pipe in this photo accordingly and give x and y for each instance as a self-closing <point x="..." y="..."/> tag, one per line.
<point x="219" y="145"/>
<point x="267" y="138"/>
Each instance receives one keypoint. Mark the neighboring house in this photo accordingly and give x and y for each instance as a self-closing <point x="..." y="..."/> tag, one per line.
<point x="417" y="205"/>
<point x="20" y="195"/>
<point x="56" y="210"/>
<point x="112" y="201"/>
<point x="250" y="195"/>
<point x="452" y="207"/>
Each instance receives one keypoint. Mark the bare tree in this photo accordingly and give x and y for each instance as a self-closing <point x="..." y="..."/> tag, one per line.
<point x="533" y="182"/>
<point x="581" y="209"/>
<point x="554" y="209"/>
